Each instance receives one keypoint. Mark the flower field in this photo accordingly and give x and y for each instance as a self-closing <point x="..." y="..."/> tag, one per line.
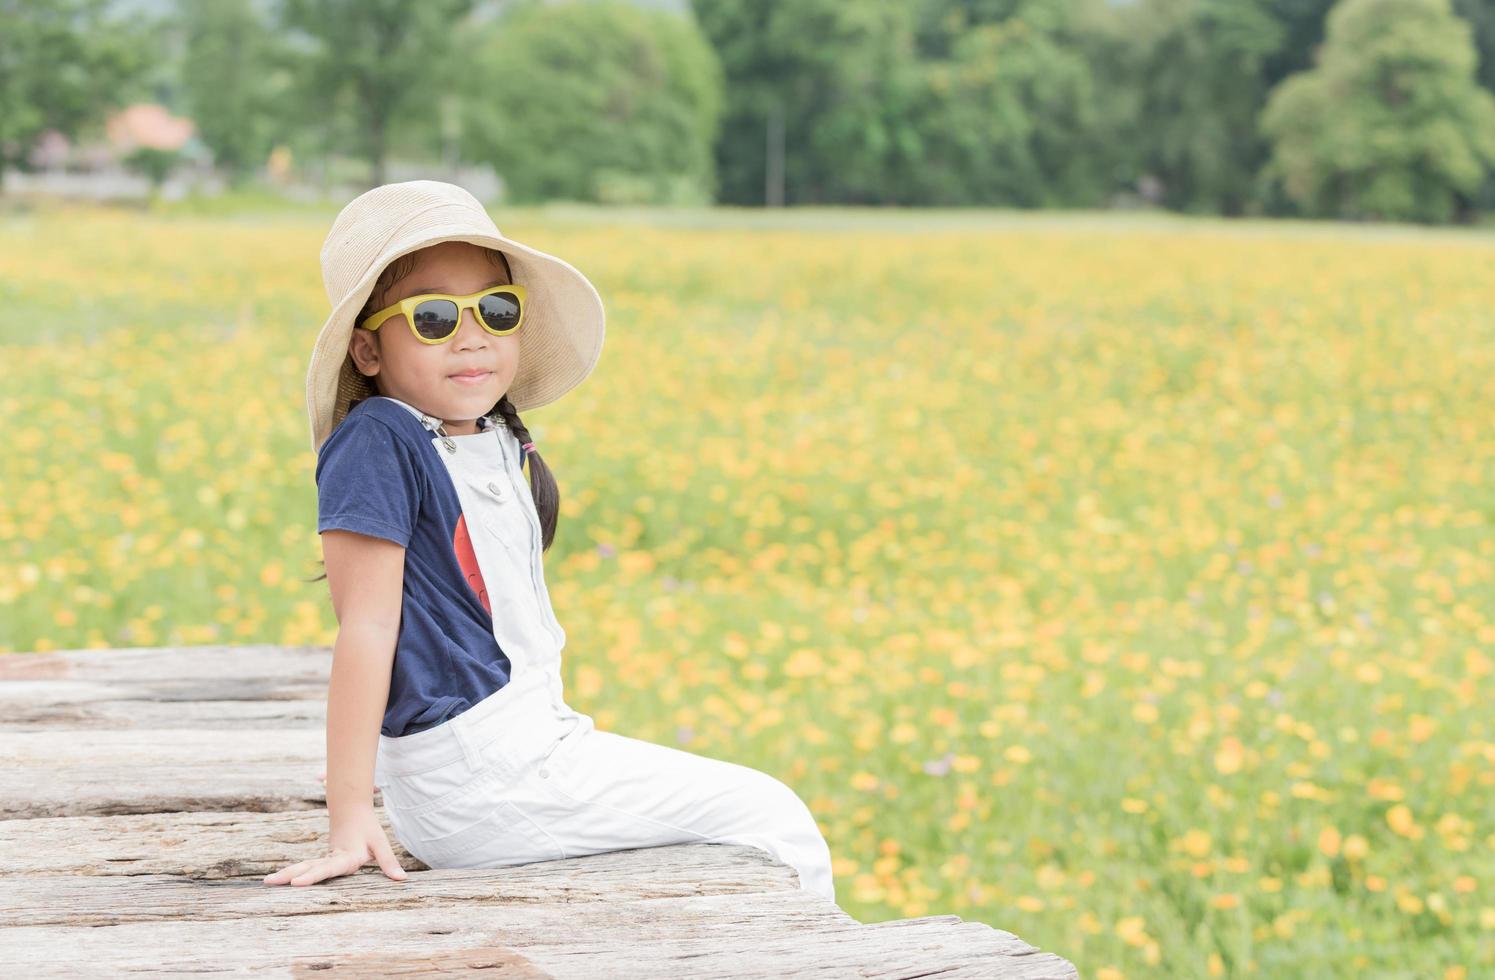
<point x="1124" y="583"/>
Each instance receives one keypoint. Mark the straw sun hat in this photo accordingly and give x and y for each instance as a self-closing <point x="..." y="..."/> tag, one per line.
<point x="563" y="321"/>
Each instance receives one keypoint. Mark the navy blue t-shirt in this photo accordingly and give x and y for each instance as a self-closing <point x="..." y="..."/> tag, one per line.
<point x="378" y="474"/>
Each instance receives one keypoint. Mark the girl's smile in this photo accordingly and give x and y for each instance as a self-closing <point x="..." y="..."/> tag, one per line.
<point x="472" y="377"/>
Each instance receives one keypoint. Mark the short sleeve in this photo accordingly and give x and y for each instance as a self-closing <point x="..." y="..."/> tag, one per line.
<point x="367" y="482"/>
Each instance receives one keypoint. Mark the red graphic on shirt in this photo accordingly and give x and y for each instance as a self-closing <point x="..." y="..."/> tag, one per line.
<point x="468" y="560"/>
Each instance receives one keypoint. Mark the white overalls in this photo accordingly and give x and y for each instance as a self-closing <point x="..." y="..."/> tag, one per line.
<point x="522" y="777"/>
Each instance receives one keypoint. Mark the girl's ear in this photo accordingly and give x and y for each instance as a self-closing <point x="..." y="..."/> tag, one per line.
<point x="364" y="350"/>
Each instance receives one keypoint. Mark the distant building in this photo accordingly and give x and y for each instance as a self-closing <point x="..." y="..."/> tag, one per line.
<point x="147" y="124"/>
<point x="94" y="168"/>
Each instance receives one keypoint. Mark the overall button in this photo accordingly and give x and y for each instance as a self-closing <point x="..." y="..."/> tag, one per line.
<point x="498" y="491"/>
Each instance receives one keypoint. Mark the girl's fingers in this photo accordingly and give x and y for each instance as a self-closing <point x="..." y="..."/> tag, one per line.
<point x="284" y="874"/>
<point x="388" y="863"/>
<point x="327" y="867"/>
<point x="312" y="876"/>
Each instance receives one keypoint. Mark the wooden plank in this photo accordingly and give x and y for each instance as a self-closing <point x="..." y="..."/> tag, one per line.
<point x="60" y="772"/>
<point x="170" y="664"/>
<point x="128" y="688"/>
<point x="67" y="705"/>
<point x="31" y="898"/>
<point x="742" y="935"/>
<point x="203" y="845"/>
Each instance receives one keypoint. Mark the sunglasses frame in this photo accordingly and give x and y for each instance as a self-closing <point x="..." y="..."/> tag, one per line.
<point x="407" y="307"/>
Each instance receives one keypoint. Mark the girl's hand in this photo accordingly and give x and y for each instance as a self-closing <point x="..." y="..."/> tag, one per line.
<point x="355" y="842"/>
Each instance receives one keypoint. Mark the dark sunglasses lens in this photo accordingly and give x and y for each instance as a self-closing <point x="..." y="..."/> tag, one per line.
<point x="435" y="318"/>
<point x="500" y="310"/>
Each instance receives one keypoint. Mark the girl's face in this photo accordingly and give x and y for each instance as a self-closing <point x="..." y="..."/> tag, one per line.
<point x="423" y="374"/>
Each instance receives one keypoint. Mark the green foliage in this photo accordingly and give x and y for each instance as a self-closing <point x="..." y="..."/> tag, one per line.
<point x="1481" y="16"/>
<point x="365" y="62"/>
<point x="930" y="102"/>
<point x="1004" y="120"/>
<point x="236" y="79"/>
<point x="1391" y="123"/>
<point x="65" y="65"/>
<point x="840" y="79"/>
<point x="1196" y="72"/>
<point x="594" y="101"/>
<point x="153" y="164"/>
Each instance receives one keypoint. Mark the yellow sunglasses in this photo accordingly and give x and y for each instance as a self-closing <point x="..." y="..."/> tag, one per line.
<point x="433" y="317"/>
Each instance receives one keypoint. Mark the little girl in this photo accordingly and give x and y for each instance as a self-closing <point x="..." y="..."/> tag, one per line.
<point x="446" y="688"/>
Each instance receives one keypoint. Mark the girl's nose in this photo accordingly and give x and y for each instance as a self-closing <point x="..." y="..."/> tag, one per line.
<point x="469" y="330"/>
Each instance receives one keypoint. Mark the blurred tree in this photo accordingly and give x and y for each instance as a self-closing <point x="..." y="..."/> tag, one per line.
<point x="65" y="65"/>
<point x="1391" y="123"/>
<point x="932" y="101"/>
<point x="819" y="94"/>
<point x="154" y="163"/>
<point x="377" y="58"/>
<point x="1007" y="112"/>
<point x="1481" y="16"/>
<point x="1302" y="31"/>
<point x="597" y="101"/>
<point x="1197" y="68"/>
<point x="235" y="82"/>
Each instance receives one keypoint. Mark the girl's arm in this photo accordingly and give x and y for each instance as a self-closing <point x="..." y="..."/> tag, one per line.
<point x="367" y="576"/>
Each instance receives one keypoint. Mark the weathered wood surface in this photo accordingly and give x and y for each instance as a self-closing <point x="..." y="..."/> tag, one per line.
<point x="144" y="794"/>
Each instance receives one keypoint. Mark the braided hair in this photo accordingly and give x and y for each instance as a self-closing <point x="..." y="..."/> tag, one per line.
<point x="542" y="486"/>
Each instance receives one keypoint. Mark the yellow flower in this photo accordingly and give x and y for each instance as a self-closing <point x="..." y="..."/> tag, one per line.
<point x="1420" y="728"/>
<point x="636" y="562"/>
<point x="1399" y="818"/>
<point x="803" y="662"/>
<point x="965" y="763"/>
<point x="1230" y="755"/>
<point x="1409" y="903"/>
<point x="1132" y="929"/>
<point x="1195" y="842"/>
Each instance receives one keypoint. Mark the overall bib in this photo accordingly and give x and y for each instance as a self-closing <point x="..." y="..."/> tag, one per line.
<point x="520" y="776"/>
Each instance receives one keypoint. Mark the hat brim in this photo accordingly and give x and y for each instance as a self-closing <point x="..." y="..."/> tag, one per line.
<point x="559" y="345"/>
